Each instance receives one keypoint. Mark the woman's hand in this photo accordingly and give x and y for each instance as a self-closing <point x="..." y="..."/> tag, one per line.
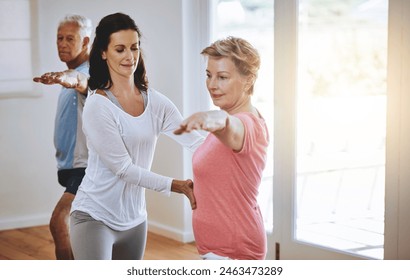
<point x="227" y="128"/>
<point x="185" y="187"/>
<point x="211" y="121"/>
<point x="68" y="79"/>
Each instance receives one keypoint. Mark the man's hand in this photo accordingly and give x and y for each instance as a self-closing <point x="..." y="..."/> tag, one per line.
<point x="68" y="79"/>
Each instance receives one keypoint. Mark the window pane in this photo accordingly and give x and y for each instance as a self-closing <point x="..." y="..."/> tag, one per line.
<point x="13" y="66"/>
<point x="15" y="48"/>
<point x="14" y="19"/>
<point x="341" y="125"/>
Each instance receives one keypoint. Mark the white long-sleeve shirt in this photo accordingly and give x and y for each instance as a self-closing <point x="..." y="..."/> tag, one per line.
<point x="121" y="150"/>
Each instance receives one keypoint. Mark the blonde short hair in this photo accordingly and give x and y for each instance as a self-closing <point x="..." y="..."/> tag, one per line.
<point x="245" y="57"/>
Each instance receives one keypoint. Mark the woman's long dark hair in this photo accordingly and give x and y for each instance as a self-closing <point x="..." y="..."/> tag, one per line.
<point x="99" y="74"/>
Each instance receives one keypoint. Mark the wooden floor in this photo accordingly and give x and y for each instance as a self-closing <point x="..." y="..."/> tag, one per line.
<point x="36" y="243"/>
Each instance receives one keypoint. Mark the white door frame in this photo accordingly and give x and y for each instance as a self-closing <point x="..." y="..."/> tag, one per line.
<point x="397" y="209"/>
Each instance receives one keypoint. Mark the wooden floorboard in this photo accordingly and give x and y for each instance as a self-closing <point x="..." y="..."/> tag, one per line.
<point x="36" y="243"/>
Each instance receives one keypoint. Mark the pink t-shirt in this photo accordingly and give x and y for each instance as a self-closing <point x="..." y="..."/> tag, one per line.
<point x="228" y="221"/>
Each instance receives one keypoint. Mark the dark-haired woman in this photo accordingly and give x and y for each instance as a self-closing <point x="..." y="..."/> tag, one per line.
<point x="122" y="120"/>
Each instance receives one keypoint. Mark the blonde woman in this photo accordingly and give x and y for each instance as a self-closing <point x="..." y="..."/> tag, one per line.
<point x="228" y="166"/>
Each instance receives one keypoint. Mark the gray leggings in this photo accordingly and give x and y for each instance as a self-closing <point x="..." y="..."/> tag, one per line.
<point x="93" y="240"/>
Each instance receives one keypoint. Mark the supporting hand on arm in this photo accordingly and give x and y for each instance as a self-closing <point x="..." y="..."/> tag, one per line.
<point x="185" y="187"/>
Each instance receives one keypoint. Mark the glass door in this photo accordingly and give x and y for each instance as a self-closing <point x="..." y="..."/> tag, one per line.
<point x="337" y="129"/>
<point x="341" y="125"/>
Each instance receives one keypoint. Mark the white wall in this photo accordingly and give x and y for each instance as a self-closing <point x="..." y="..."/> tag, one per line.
<point x="28" y="181"/>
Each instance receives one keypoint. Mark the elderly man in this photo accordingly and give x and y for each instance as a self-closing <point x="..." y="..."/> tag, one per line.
<point x="73" y="38"/>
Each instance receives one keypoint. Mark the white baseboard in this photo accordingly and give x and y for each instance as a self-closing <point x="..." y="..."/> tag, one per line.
<point x="24" y="221"/>
<point x="170" y="232"/>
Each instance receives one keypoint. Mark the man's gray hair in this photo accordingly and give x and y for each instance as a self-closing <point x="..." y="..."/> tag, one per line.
<point x="84" y="23"/>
